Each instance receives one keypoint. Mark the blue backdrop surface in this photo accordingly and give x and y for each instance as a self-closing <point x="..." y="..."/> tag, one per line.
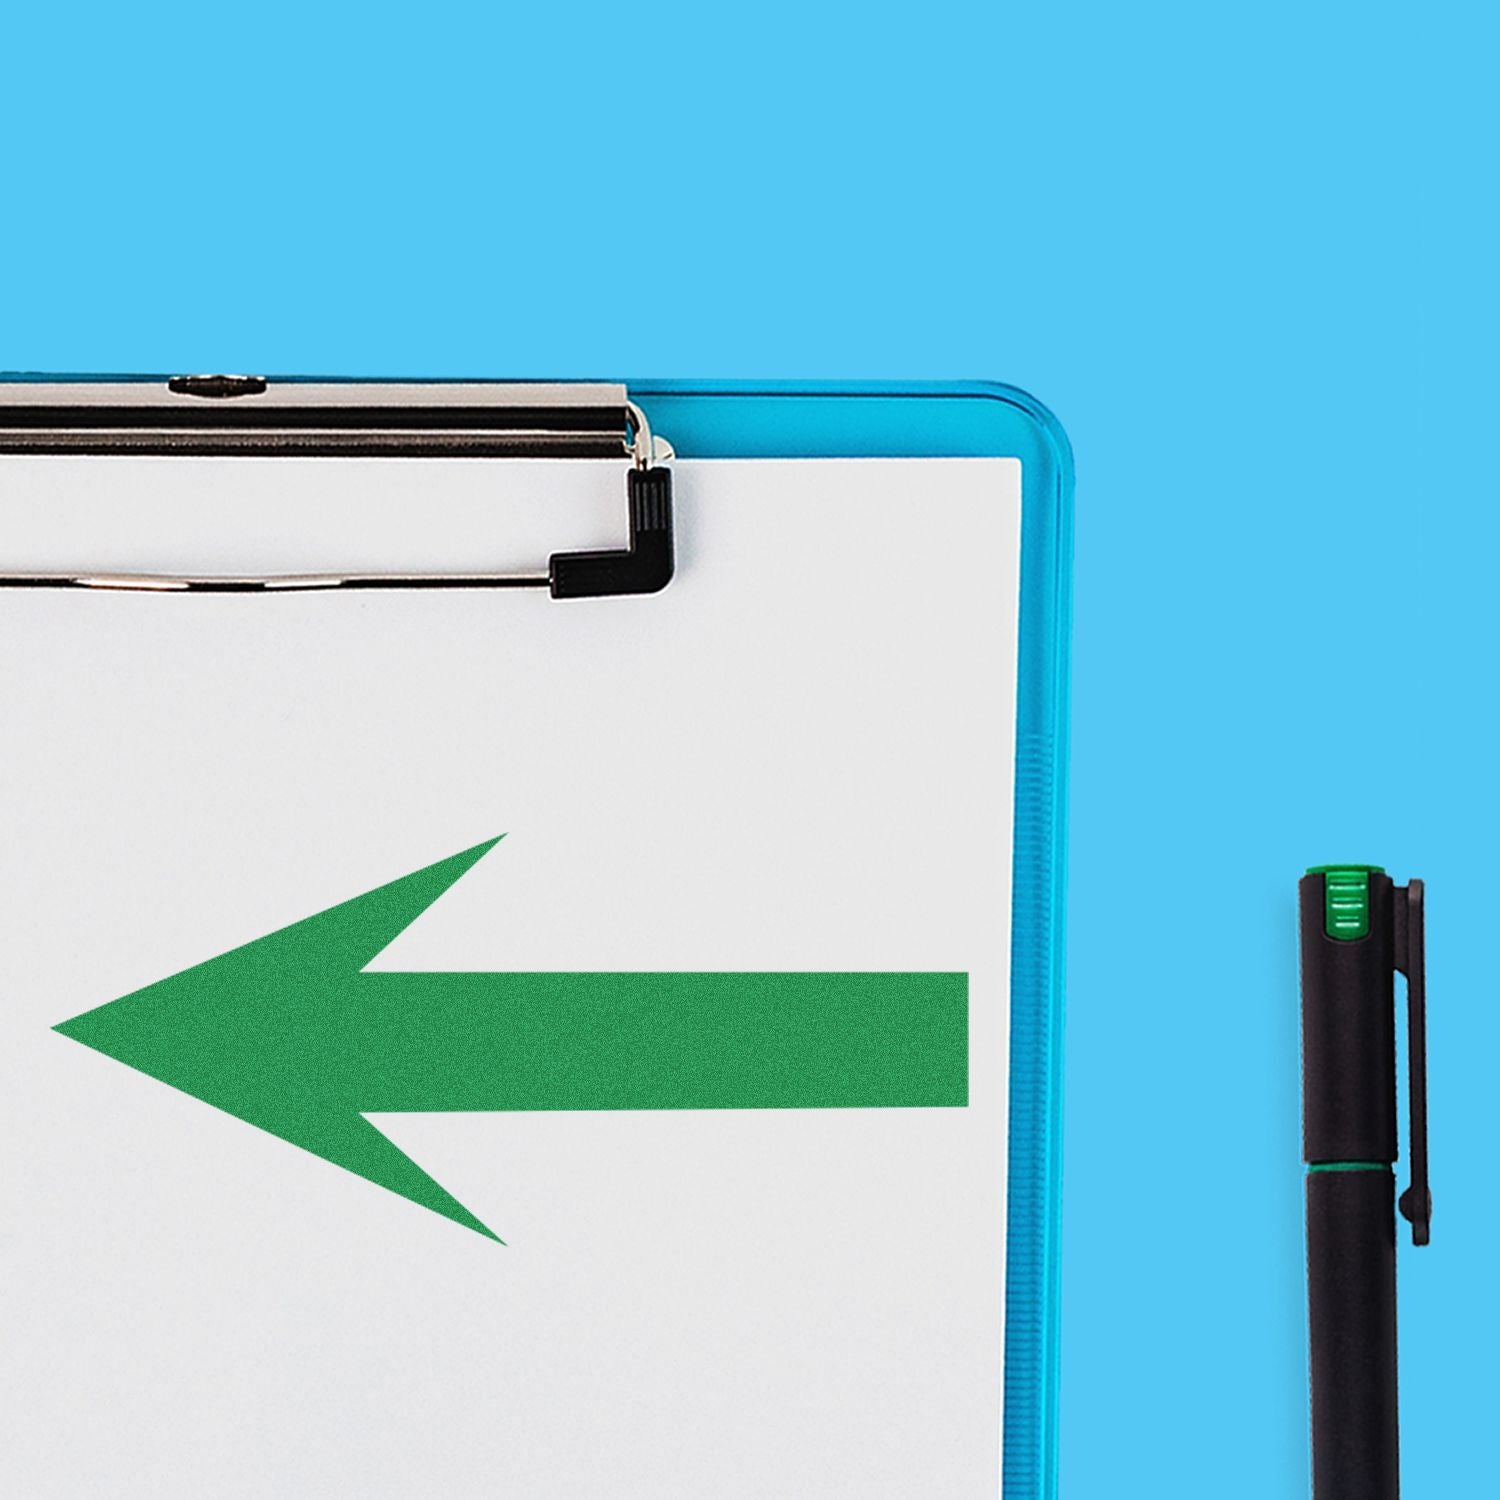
<point x="1244" y="252"/>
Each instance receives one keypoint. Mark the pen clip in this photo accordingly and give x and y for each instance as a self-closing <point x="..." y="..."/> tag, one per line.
<point x="1411" y="960"/>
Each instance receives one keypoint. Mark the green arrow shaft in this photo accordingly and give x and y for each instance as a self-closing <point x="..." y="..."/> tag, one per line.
<point x="647" y="1041"/>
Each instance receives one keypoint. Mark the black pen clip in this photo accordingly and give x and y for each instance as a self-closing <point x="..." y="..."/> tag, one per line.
<point x="1411" y="960"/>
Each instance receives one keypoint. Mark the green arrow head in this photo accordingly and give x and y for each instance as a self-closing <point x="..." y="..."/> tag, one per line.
<point x="271" y="1032"/>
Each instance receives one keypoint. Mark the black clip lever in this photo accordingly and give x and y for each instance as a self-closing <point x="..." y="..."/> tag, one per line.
<point x="644" y="567"/>
<point x="1411" y="959"/>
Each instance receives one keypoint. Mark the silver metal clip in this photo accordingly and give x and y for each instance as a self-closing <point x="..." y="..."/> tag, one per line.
<point x="247" y="415"/>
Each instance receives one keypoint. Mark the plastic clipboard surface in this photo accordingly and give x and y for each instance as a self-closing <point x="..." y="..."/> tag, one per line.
<point x="970" y="420"/>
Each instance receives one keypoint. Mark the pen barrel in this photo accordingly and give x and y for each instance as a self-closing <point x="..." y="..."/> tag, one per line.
<point x="1351" y="1287"/>
<point x="1348" y="1030"/>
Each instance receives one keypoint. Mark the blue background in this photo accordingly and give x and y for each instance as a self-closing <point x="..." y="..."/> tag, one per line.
<point x="1244" y="252"/>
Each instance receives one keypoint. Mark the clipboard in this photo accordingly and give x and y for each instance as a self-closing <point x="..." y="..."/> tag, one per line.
<point x="625" y="858"/>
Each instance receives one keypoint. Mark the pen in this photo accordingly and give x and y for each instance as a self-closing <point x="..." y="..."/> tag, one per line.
<point x="1358" y="930"/>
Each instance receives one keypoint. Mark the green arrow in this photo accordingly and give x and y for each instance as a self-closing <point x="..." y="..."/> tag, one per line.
<point x="290" y="1035"/>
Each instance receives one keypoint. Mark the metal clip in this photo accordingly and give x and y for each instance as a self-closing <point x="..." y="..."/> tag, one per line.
<point x="1411" y="959"/>
<point x="248" y="415"/>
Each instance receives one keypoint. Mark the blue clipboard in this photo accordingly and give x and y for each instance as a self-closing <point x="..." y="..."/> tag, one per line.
<point x="971" y="420"/>
<point x="743" y="421"/>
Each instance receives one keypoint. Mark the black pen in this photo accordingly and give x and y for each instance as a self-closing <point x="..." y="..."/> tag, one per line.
<point x="1358" y="929"/>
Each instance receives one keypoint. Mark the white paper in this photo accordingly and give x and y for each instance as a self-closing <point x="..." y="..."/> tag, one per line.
<point x="799" y="756"/>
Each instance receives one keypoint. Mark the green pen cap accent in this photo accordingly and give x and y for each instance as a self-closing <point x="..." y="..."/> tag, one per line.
<point x="1350" y="1166"/>
<point x="1346" y="899"/>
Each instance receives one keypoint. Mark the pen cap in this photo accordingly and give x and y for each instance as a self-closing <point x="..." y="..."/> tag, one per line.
<point x="1348" y="1017"/>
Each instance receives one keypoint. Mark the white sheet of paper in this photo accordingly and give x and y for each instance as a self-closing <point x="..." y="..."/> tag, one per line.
<point x="799" y="756"/>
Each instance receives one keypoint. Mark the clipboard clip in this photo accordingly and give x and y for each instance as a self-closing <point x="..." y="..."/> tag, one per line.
<point x="247" y="415"/>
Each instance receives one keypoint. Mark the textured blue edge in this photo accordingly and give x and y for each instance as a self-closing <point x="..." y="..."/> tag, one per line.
<point x="970" y="419"/>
